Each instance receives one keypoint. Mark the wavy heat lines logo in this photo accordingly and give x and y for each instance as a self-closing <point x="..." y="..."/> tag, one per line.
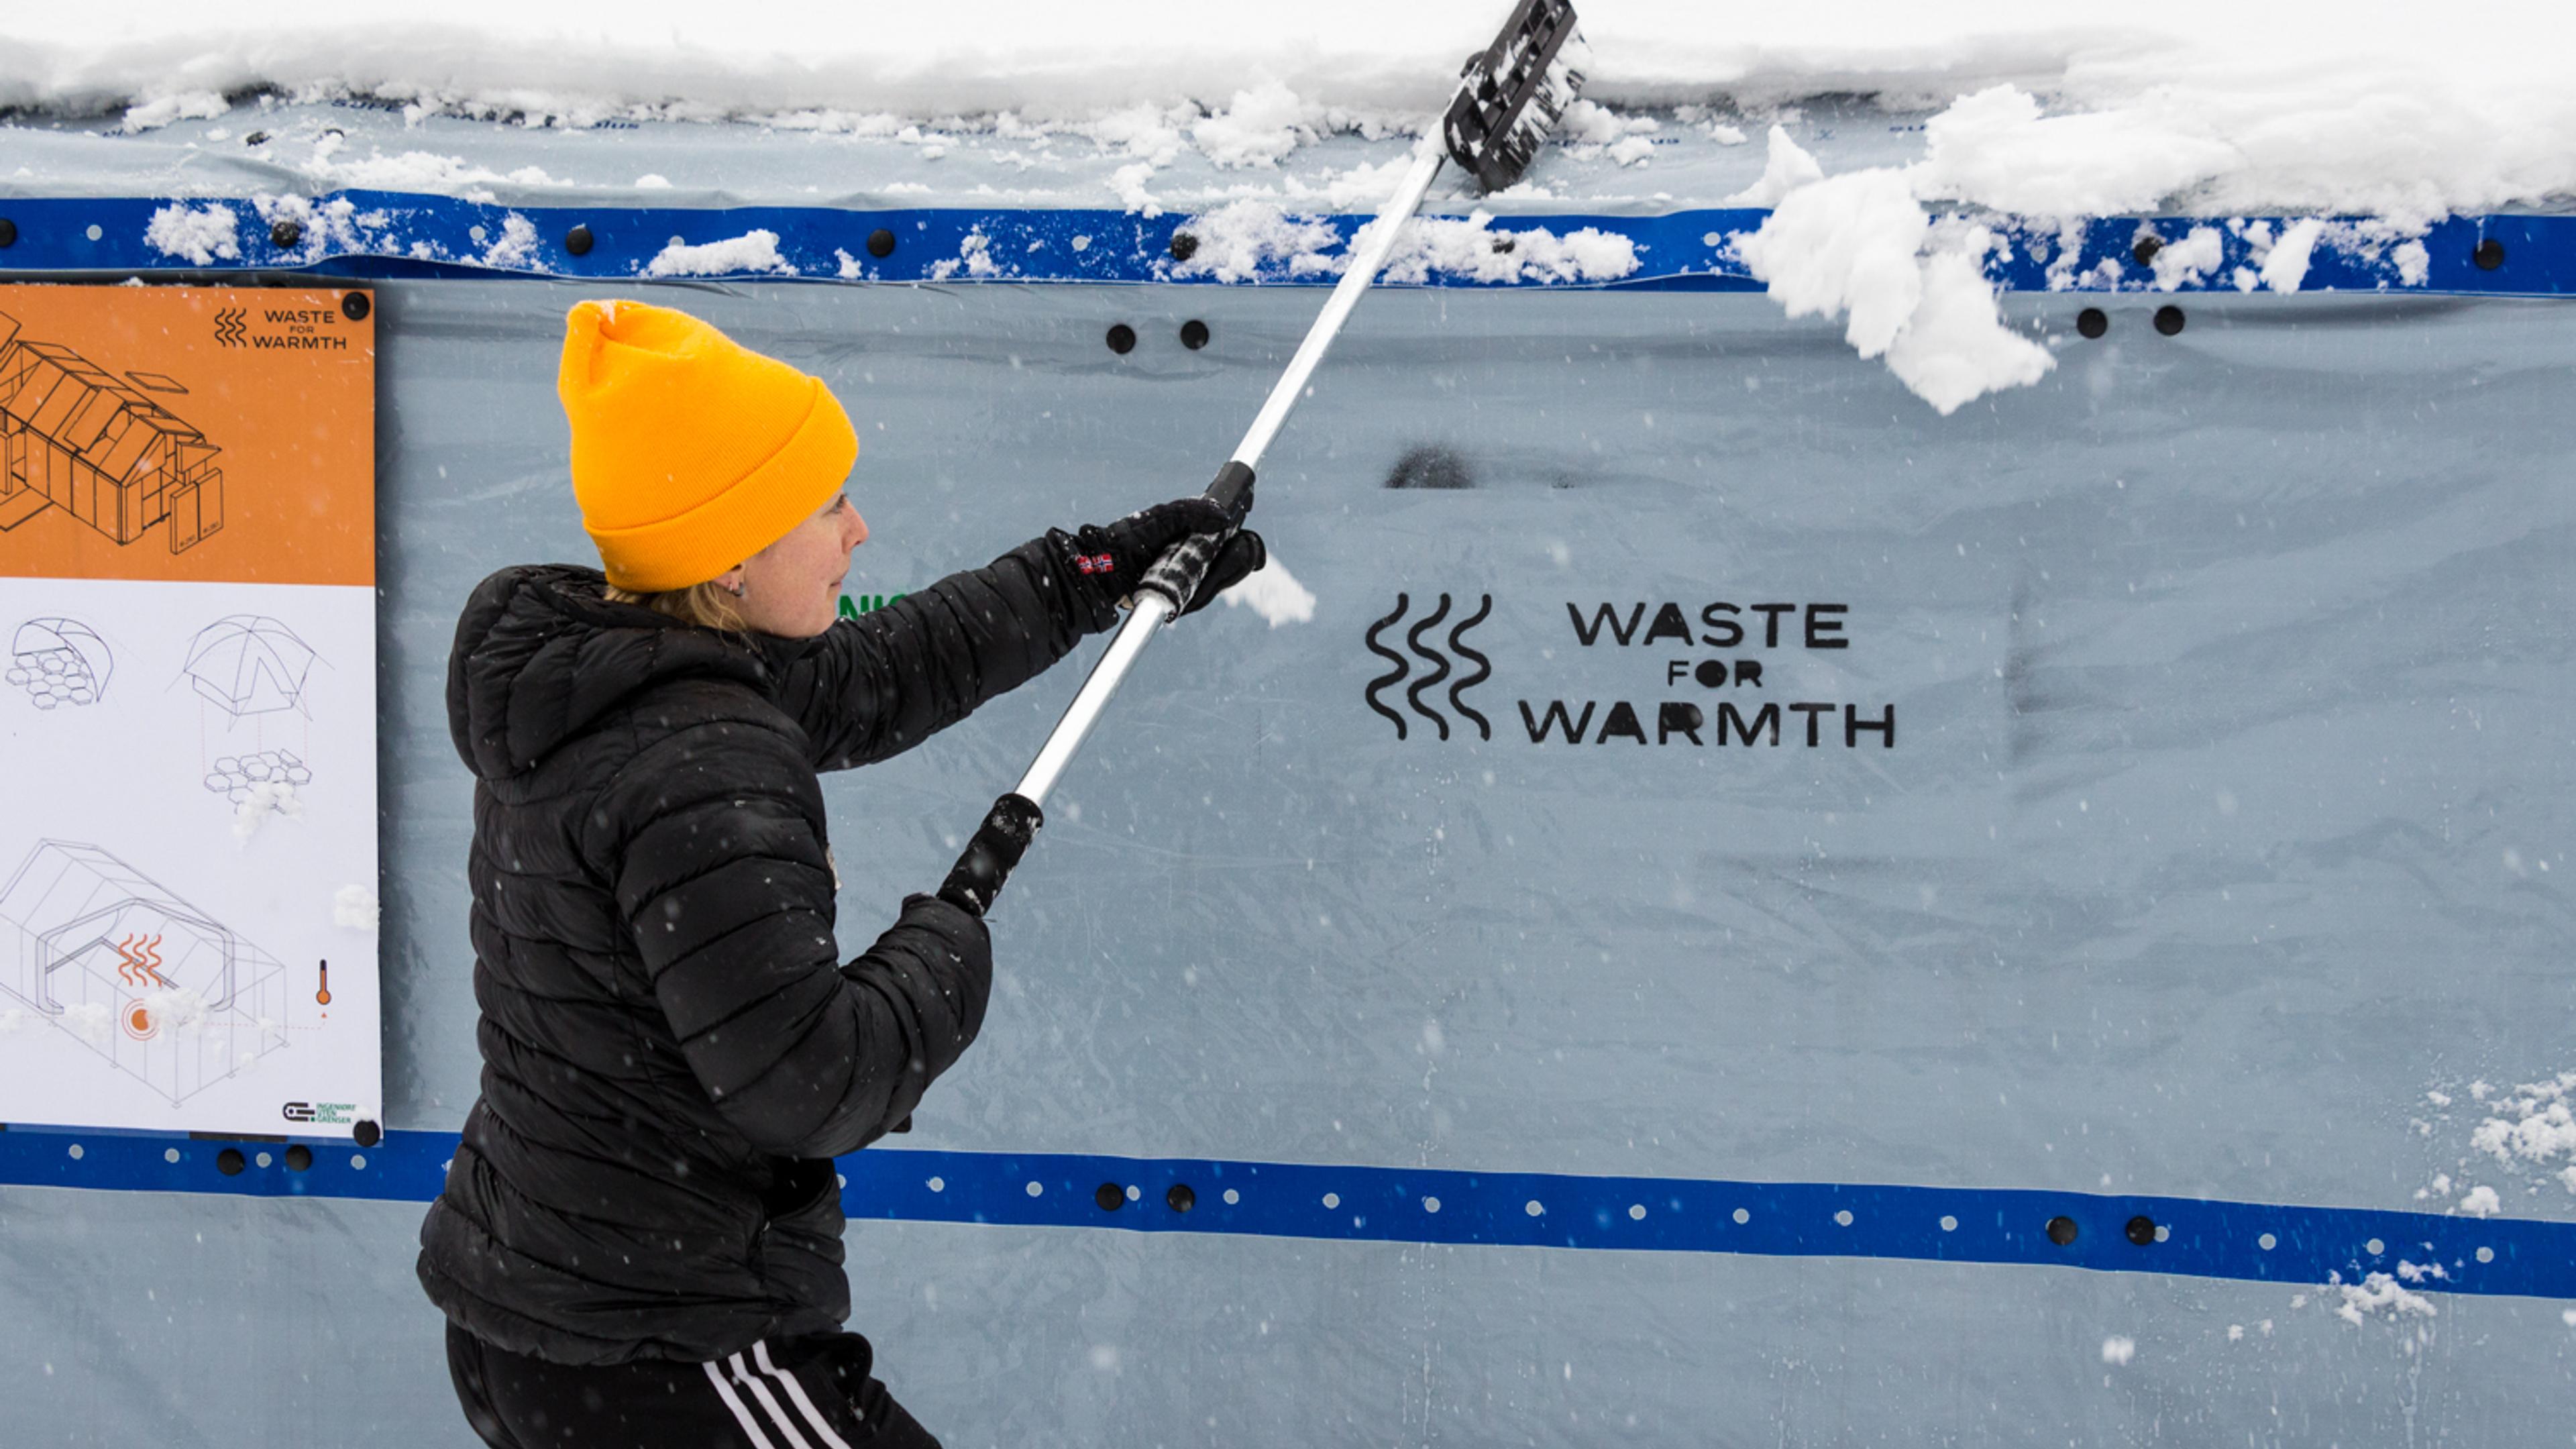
<point x="230" y="324"/>
<point x="1439" y="663"/>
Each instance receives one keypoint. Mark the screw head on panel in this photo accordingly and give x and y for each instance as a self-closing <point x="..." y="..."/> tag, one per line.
<point x="1194" y="334"/>
<point x="1122" y="338"/>
<point x="578" y="240"/>
<point x="285" y="235"/>
<point x="2142" y="1230"/>
<point x="1180" y="1198"/>
<point x="1184" y="246"/>
<point x="355" y="306"/>
<point x="2092" y="322"/>
<point x="2169" y="320"/>
<point x="229" y="1162"/>
<point x="368" y="1134"/>
<point x="8" y="232"/>
<point x="2489" y="255"/>
<point x="2146" y="248"/>
<point x="2061" y="1230"/>
<point x="299" y="1157"/>
<point x="1110" y="1196"/>
<point x="881" y="243"/>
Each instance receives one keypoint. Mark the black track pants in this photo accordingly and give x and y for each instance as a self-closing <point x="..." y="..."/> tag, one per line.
<point x="801" y="1393"/>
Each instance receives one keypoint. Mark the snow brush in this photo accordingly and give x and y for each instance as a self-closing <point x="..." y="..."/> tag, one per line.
<point x="1509" y="97"/>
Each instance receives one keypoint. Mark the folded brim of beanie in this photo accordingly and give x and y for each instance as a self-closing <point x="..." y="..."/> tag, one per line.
<point x="787" y="488"/>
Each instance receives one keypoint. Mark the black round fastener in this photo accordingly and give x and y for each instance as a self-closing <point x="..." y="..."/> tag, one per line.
<point x="8" y="232"/>
<point x="229" y="1162"/>
<point x="1179" y="1196"/>
<point x="2489" y="255"/>
<point x="2169" y="320"/>
<point x="284" y="235"/>
<point x="256" y="138"/>
<point x="2142" y="1230"/>
<point x="2061" y="1230"/>
<point x="1122" y="338"/>
<point x="355" y="306"/>
<point x="578" y="240"/>
<point x="881" y="243"/>
<point x="1503" y="243"/>
<point x="2146" y="249"/>
<point x="1194" y="334"/>
<point x="2092" y="321"/>
<point x="368" y="1134"/>
<point x="299" y="1157"/>
<point x="1184" y="246"/>
<point x="1110" y="1196"/>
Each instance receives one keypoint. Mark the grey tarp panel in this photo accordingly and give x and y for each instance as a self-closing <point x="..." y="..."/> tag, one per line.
<point x="2224" y="819"/>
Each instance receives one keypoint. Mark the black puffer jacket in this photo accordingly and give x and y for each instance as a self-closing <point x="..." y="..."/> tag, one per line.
<point x="673" y="1050"/>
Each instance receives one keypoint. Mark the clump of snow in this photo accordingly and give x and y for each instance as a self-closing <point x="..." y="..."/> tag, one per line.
<point x="2377" y="1294"/>
<point x="1788" y="168"/>
<point x="1995" y="149"/>
<point x="1471" y="247"/>
<point x="174" y="1009"/>
<point x="1240" y="241"/>
<point x="1260" y="128"/>
<point x="198" y="234"/>
<point x="2119" y="1350"/>
<point x="1273" y="593"/>
<point x="355" y="907"/>
<point x="2421" y="1272"/>
<point x="265" y="798"/>
<point x="2287" y="264"/>
<point x="11" y="1020"/>
<point x="516" y="247"/>
<point x="974" y="258"/>
<point x="2194" y="257"/>
<point x="2532" y="1126"/>
<point x="753" y="251"/>
<point x="185" y="106"/>
<point x="2481" y="1202"/>
<point x="1860" y="246"/>
<point x="91" y="1021"/>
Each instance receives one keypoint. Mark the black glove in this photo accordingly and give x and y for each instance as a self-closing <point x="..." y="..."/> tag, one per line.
<point x="1108" y="562"/>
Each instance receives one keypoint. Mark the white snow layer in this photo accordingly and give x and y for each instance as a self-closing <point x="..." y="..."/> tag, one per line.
<point x="2369" y="107"/>
<point x="2210" y="108"/>
<point x="355" y="907"/>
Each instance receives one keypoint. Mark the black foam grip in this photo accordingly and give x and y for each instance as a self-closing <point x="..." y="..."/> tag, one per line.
<point x="1176" y="575"/>
<point x="989" y="858"/>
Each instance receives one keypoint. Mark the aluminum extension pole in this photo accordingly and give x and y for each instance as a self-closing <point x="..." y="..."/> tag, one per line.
<point x="1152" y="610"/>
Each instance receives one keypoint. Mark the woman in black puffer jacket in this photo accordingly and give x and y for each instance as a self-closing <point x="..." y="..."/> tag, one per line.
<point x="640" y="1239"/>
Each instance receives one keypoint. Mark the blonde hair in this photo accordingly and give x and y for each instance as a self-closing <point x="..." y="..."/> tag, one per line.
<point x="709" y="605"/>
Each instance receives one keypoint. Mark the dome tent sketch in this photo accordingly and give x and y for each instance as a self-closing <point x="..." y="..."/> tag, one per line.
<point x="59" y="662"/>
<point x="76" y="438"/>
<point x="250" y="664"/>
<point x="164" y="991"/>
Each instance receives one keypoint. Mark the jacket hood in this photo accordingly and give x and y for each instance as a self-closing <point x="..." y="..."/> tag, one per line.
<point x="541" y="654"/>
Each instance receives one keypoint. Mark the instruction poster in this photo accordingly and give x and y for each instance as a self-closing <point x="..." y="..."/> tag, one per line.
<point x="187" y="713"/>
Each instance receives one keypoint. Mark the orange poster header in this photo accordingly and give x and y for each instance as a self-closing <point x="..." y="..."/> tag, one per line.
<point x="188" y="434"/>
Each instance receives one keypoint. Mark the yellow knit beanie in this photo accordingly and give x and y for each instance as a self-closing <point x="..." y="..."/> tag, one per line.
<point x="690" y="452"/>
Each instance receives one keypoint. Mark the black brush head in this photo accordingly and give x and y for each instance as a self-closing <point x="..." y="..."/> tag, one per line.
<point x="1514" y="91"/>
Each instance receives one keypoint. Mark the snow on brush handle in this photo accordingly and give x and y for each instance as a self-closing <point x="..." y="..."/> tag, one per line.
<point x="1177" y="573"/>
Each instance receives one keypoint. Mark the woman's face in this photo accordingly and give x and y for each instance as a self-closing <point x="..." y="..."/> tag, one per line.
<point x="793" y="587"/>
